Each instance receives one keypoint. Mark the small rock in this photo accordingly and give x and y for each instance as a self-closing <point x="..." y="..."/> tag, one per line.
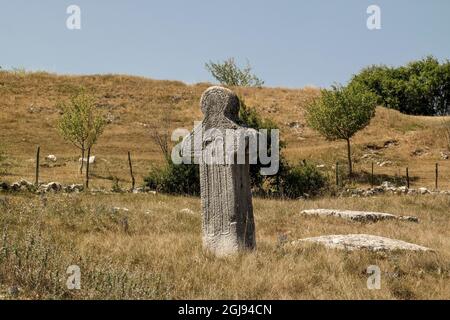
<point x="51" y="186"/>
<point x="390" y="143"/>
<point x="444" y="155"/>
<point x="409" y="218"/>
<point x="74" y="188"/>
<point x="4" y="186"/>
<point x="51" y="157"/>
<point x="118" y="209"/>
<point x="91" y="160"/>
<point x="360" y="216"/>
<point x="419" y="152"/>
<point x="387" y="185"/>
<point x="22" y="185"/>
<point x="424" y="191"/>
<point x="110" y="118"/>
<point x="385" y="163"/>
<point x="294" y="125"/>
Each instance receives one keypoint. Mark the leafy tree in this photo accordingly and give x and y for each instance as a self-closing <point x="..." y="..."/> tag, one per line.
<point x="419" y="88"/>
<point x="341" y="112"/>
<point x="249" y="117"/>
<point x="81" y="123"/>
<point x="228" y="73"/>
<point x="446" y="131"/>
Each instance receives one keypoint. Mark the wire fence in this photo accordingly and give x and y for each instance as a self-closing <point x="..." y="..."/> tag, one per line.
<point x="130" y="170"/>
<point x="433" y="175"/>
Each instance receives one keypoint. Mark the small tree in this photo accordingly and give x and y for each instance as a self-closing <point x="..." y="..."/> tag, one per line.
<point x="228" y="73"/>
<point x="419" y="88"/>
<point x="81" y="124"/>
<point x="341" y="112"/>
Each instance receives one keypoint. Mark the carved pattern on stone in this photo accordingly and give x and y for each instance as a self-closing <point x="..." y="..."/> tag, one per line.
<point x="228" y="223"/>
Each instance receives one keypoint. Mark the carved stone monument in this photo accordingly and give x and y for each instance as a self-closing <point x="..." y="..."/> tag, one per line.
<point x="228" y="223"/>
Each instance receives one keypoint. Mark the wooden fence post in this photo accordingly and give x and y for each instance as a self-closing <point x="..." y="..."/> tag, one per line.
<point x="36" y="181"/>
<point x="372" y="178"/>
<point x="407" y="177"/>
<point x="436" y="176"/>
<point x="337" y="174"/>
<point x="131" y="171"/>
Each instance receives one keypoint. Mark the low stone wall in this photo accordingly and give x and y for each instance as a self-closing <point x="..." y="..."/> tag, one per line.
<point x="26" y="186"/>
<point x="388" y="188"/>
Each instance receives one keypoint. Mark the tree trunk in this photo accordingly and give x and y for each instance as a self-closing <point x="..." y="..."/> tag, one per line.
<point x="87" y="168"/>
<point x="349" y="155"/>
<point x="82" y="160"/>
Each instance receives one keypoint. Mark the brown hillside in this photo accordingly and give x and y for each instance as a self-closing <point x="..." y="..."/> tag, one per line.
<point x="29" y="113"/>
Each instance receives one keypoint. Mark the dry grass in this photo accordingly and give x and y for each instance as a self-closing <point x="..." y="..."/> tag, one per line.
<point x="159" y="254"/>
<point x="154" y="250"/>
<point x="28" y="116"/>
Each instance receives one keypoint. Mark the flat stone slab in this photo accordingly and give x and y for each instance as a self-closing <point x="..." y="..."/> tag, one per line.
<point x="361" y="216"/>
<point x="369" y="242"/>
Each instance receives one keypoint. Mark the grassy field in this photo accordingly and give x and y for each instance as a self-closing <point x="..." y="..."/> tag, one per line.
<point x="154" y="251"/>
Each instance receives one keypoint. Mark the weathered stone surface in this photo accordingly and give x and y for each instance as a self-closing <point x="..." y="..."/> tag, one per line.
<point x="51" y="186"/>
<point x="352" y="242"/>
<point x="22" y="185"/>
<point x="74" y="188"/>
<point x="228" y="223"/>
<point x="4" y="186"/>
<point x="361" y="216"/>
<point x="51" y="157"/>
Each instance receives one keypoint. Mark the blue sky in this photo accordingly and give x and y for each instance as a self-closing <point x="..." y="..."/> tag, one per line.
<point x="289" y="43"/>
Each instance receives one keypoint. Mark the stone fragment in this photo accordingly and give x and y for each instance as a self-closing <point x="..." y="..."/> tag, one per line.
<point x="352" y="242"/>
<point x="361" y="216"/>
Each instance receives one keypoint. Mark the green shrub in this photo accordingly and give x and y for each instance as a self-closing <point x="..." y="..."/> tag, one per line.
<point x="175" y="179"/>
<point x="296" y="181"/>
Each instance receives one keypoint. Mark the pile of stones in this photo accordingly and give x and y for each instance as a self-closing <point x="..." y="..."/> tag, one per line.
<point x="389" y="188"/>
<point x="26" y="186"/>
